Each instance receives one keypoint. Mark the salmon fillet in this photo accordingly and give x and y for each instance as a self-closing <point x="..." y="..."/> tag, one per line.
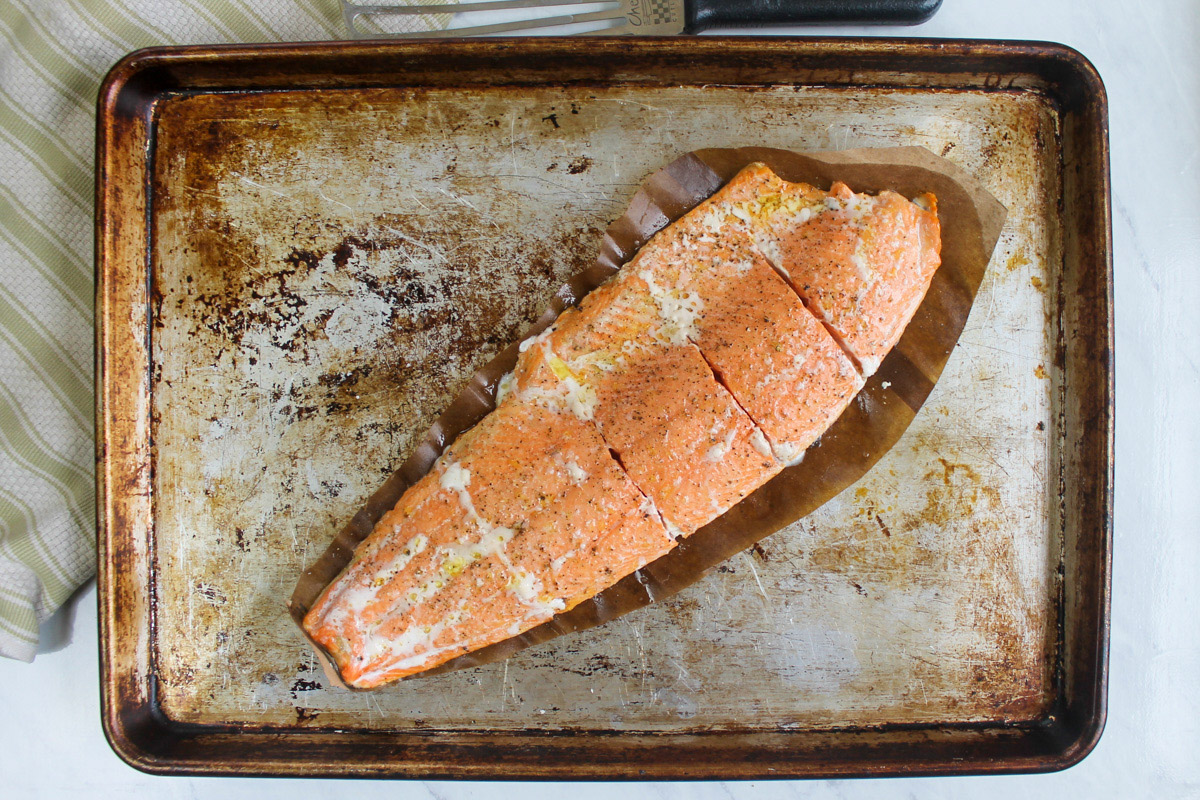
<point x="706" y="365"/>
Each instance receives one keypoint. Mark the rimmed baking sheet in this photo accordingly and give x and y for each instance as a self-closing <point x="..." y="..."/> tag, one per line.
<point x="296" y="281"/>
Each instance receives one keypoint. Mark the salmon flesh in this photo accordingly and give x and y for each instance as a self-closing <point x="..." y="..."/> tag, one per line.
<point x="707" y="364"/>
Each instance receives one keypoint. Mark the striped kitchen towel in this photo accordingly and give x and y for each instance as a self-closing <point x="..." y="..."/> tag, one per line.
<point x="53" y="57"/>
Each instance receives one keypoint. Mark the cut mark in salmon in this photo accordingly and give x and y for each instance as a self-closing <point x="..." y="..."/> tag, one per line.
<point x="750" y="325"/>
<point x="864" y="271"/>
<point x="862" y="267"/>
<point x="618" y="350"/>
<point x="833" y="334"/>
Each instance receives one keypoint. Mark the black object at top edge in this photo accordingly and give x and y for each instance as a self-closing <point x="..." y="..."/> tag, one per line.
<point x="704" y="14"/>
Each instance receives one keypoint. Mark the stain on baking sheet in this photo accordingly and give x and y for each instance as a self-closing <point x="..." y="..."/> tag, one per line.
<point x="329" y="269"/>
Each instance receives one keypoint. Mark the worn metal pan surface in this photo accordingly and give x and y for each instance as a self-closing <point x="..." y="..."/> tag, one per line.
<point x="302" y="251"/>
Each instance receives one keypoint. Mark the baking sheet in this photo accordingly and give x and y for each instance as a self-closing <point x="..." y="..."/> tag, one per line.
<point x="307" y="213"/>
<point x="335" y="308"/>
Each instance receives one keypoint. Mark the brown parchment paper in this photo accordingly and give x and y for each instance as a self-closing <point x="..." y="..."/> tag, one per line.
<point x="971" y="219"/>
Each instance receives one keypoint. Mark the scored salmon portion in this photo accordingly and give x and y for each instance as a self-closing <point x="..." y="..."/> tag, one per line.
<point x="679" y="434"/>
<point x="726" y="347"/>
<point x="543" y="519"/>
<point x="548" y="475"/>
<point x="862" y="263"/>
<point x="398" y="563"/>
<point x="775" y="357"/>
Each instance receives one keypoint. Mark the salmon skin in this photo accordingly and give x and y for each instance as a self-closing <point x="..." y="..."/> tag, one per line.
<point x="707" y="364"/>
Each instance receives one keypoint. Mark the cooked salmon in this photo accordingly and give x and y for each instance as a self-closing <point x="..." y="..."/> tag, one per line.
<point x="393" y="571"/>
<point x="779" y="362"/>
<point x="630" y="366"/>
<point x="861" y="263"/>
<point x="526" y="515"/>
<point x="706" y="365"/>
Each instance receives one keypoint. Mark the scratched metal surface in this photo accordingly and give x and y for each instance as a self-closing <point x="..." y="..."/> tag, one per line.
<point x="329" y="267"/>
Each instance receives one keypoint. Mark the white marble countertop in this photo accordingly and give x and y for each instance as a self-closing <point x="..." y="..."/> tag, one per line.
<point x="51" y="743"/>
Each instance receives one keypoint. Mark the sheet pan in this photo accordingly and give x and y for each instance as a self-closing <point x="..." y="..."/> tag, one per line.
<point x="304" y="250"/>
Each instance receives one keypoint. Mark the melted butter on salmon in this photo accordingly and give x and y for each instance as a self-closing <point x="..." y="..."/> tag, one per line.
<point x="678" y="311"/>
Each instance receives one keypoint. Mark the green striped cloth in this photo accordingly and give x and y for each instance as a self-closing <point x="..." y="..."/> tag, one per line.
<point x="52" y="60"/>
